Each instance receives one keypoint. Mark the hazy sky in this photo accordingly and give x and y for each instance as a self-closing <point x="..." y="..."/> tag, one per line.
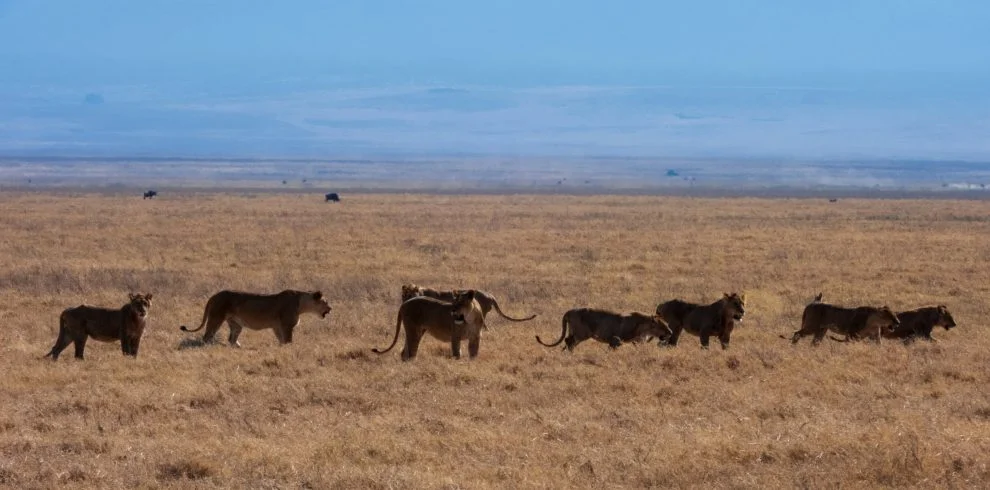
<point x="701" y="37"/>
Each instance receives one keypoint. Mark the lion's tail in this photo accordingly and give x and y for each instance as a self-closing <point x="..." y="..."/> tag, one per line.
<point x="507" y="317"/>
<point x="563" y="333"/>
<point x="206" y="314"/>
<point x="398" y="323"/>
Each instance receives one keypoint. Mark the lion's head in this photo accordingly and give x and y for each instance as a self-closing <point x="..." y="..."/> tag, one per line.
<point x="315" y="302"/>
<point x="140" y="303"/>
<point x="652" y="326"/>
<point x="463" y="305"/>
<point x="886" y="318"/>
<point x="410" y="291"/>
<point x="735" y="305"/>
<point x="945" y="318"/>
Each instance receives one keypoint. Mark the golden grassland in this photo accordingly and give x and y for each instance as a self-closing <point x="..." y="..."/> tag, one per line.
<point x="325" y="412"/>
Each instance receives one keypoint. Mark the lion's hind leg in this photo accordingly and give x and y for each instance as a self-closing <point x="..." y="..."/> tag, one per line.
<point x="80" y="341"/>
<point x="413" y="337"/>
<point x="63" y="341"/>
<point x="213" y="324"/>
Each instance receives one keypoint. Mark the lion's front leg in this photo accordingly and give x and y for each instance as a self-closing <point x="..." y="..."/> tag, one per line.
<point x="675" y="333"/>
<point x="288" y="323"/>
<point x="284" y="334"/>
<point x="455" y="344"/>
<point x="125" y="344"/>
<point x="474" y="344"/>
<point x="705" y="333"/>
<point x="724" y="340"/>
<point x="723" y="337"/>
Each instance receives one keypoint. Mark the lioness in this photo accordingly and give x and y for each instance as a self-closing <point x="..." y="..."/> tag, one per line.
<point x="920" y="322"/>
<point x="126" y="325"/>
<point x="717" y="319"/>
<point x="484" y="299"/>
<point x="279" y="312"/>
<point x="445" y="321"/>
<point x="854" y="323"/>
<point x="608" y="327"/>
<point x="917" y="324"/>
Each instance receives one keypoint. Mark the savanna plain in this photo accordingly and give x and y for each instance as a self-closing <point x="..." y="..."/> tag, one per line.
<point x="326" y="412"/>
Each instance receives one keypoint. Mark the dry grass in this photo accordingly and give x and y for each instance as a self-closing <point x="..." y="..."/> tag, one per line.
<point x="325" y="412"/>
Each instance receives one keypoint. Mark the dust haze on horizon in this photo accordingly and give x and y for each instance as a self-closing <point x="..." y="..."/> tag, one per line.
<point x="841" y="80"/>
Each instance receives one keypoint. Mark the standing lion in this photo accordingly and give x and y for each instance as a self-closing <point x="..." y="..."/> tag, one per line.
<point x="125" y="325"/>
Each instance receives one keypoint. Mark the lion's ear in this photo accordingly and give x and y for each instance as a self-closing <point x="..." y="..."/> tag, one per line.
<point x="148" y="296"/>
<point x="318" y="295"/>
<point x="725" y="295"/>
<point x="132" y="296"/>
<point x="942" y="308"/>
<point x="743" y="297"/>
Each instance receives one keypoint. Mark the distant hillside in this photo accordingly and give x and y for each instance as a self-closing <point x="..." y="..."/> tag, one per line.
<point x="304" y="118"/>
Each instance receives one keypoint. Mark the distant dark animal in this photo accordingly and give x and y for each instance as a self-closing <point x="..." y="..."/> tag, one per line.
<point x="607" y="327"/>
<point x="125" y="325"/>
<point x="150" y="194"/>
<point x="332" y="197"/>
<point x="833" y="200"/>
<point x="716" y="319"/>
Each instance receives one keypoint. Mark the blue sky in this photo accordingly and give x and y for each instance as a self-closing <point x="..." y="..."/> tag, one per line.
<point x="725" y="78"/>
<point x="718" y="38"/>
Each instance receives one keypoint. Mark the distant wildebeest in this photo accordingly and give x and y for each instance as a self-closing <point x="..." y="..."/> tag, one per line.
<point x="332" y="197"/>
<point x="833" y="200"/>
<point x="150" y="194"/>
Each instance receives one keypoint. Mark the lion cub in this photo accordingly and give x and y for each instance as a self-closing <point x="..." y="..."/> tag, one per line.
<point x="125" y="325"/>
<point x="447" y="322"/>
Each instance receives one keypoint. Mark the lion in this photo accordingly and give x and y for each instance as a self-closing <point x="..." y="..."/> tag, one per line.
<point x="445" y="321"/>
<point x="716" y="319"/>
<point x="854" y="323"/>
<point x="484" y="299"/>
<point x="607" y="327"/>
<point x="279" y="312"/>
<point x="920" y="322"/>
<point x="126" y="325"/>
<point x="915" y="324"/>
